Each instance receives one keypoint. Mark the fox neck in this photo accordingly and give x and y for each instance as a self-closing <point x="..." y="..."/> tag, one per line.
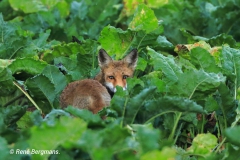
<point x="100" y="79"/>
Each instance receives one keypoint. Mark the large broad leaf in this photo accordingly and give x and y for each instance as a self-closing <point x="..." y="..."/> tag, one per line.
<point x="147" y="138"/>
<point x="143" y="19"/>
<point x="6" y="82"/>
<point x="222" y="39"/>
<point x="119" y="100"/>
<point x="166" y="64"/>
<point x="10" y="41"/>
<point x="130" y="6"/>
<point x="31" y="6"/>
<point x="168" y="103"/>
<point x="153" y="40"/>
<point x="12" y="114"/>
<point x="47" y="86"/>
<point x="194" y="82"/>
<point x="93" y="119"/>
<point x="4" y="149"/>
<point x="103" y="144"/>
<point x="202" y="59"/>
<point x="135" y="103"/>
<point x="57" y="78"/>
<point x="116" y="41"/>
<point x="226" y="100"/>
<point x="232" y="135"/>
<point x="27" y="65"/>
<point x="166" y="153"/>
<point x="203" y="144"/>
<point x="156" y="3"/>
<point x="69" y="67"/>
<point x="231" y="65"/>
<point x="41" y="88"/>
<point x="70" y="49"/>
<point x="66" y="132"/>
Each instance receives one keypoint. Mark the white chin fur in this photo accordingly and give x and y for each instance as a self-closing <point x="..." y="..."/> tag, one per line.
<point x="112" y="88"/>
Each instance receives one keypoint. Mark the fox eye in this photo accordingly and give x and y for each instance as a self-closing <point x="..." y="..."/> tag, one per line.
<point x="125" y="77"/>
<point x="110" y="77"/>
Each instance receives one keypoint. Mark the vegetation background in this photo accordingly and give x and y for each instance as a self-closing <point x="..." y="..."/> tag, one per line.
<point x="182" y="103"/>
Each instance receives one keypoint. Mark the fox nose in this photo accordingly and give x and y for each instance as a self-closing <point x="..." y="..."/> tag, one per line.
<point x="124" y="87"/>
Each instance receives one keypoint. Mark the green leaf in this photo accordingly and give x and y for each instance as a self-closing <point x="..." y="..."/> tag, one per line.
<point x="143" y="19"/>
<point x="141" y="64"/>
<point x="6" y="82"/>
<point x="197" y="84"/>
<point x="130" y="6"/>
<point x="118" y="102"/>
<point x="202" y="59"/>
<point x="232" y="135"/>
<point x="222" y="39"/>
<point x="25" y="121"/>
<point x="154" y="79"/>
<point x="5" y="62"/>
<point x="63" y="8"/>
<point x="92" y="119"/>
<point x="190" y="118"/>
<point x="41" y="88"/>
<point x="231" y="65"/>
<point x="56" y="77"/>
<point x="27" y="65"/>
<point x="4" y="149"/>
<point x="70" y="49"/>
<point x="203" y="144"/>
<point x="103" y="144"/>
<point x="2" y="124"/>
<point x="12" y="114"/>
<point x="69" y="67"/>
<point x="29" y="6"/>
<point x="116" y="41"/>
<point x="164" y="43"/>
<point x="226" y="100"/>
<point x="156" y="3"/>
<point x="63" y="133"/>
<point x="153" y="40"/>
<point x="165" y="64"/>
<point x="211" y="104"/>
<point x="166" y="153"/>
<point x="135" y="103"/>
<point x="168" y="103"/>
<point x="147" y="137"/>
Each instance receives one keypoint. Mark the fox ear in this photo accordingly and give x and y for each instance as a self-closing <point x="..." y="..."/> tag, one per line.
<point x="103" y="58"/>
<point x="132" y="58"/>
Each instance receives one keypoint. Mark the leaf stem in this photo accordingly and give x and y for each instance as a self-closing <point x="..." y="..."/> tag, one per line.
<point x="141" y="41"/>
<point x="27" y="95"/>
<point x="178" y="114"/>
<point x="124" y="110"/>
<point x="233" y="125"/>
<point x="158" y="115"/>
<point x="130" y="43"/>
<point x="15" y="52"/>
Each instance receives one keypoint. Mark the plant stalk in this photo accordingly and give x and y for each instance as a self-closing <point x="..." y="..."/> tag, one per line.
<point x="178" y="115"/>
<point x="27" y="95"/>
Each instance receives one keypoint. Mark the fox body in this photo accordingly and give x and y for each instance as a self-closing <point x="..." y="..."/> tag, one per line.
<point x="94" y="94"/>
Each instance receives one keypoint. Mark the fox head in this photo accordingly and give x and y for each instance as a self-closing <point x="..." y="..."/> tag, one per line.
<point x="114" y="73"/>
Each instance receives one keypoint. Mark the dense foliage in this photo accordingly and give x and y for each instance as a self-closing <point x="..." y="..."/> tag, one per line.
<point x="182" y="103"/>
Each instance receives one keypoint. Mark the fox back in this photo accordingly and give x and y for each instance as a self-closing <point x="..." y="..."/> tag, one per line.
<point x="95" y="94"/>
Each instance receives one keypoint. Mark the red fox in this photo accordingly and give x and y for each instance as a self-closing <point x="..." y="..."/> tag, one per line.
<point x="94" y="94"/>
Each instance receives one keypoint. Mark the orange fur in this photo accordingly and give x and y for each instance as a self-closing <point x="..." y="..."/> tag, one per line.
<point x="86" y="94"/>
<point x="95" y="94"/>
